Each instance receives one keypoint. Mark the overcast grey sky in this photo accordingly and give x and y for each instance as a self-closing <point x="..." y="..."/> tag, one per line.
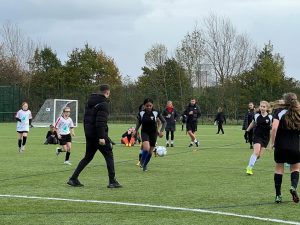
<point x="126" y="29"/>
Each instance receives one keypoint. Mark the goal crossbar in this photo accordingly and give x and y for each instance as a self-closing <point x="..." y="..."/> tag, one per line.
<point x="52" y="109"/>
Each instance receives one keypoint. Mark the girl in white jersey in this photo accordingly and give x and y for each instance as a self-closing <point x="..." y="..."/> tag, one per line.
<point x="24" y="118"/>
<point x="64" y="128"/>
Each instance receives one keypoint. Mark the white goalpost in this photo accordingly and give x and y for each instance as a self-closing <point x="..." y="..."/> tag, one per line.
<point x="52" y="109"/>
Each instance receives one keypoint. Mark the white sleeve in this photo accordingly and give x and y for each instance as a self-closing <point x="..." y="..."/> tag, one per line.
<point x="18" y="114"/>
<point x="30" y="115"/>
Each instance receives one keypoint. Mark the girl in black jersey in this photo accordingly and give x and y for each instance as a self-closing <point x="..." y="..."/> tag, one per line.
<point x="147" y="118"/>
<point x="285" y="140"/>
<point x="261" y="124"/>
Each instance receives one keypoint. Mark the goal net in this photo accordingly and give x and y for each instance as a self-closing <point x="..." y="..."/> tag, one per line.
<point x="52" y="109"/>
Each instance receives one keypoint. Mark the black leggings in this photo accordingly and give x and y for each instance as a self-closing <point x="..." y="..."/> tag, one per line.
<point x="250" y="136"/>
<point x="92" y="145"/>
<point x="167" y="135"/>
<point x="220" y="127"/>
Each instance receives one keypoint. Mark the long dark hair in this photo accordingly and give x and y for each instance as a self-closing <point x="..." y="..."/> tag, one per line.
<point x="292" y="116"/>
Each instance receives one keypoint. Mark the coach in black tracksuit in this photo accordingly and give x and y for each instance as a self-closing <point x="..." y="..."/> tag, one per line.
<point x="96" y="134"/>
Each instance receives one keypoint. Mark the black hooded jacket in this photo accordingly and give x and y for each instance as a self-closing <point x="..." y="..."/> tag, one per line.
<point x="96" y="116"/>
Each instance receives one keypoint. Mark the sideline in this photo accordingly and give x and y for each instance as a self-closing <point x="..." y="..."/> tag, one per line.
<point x="154" y="206"/>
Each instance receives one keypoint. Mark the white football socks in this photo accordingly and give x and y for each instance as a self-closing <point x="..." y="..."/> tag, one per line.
<point x="252" y="160"/>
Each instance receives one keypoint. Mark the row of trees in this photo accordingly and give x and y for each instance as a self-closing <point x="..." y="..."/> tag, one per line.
<point x="213" y="63"/>
<point x="264" y="80"/>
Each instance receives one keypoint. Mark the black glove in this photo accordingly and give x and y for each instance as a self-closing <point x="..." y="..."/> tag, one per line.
<point x="246" y="136"/>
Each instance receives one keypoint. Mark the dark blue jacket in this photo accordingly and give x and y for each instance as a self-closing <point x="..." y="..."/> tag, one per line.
<point x="171" y="118"/>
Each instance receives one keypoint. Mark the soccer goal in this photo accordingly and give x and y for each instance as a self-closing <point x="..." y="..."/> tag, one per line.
<point x="52" y="109"/>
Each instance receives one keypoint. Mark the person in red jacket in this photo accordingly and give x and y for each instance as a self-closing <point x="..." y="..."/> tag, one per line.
<point x="170" y="114"/>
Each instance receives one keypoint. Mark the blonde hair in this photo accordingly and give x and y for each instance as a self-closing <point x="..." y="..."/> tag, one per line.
<point x="277" y="104"/>
<point x="267" y="105"/>
<point x="220" y="109"/>
<point x="169" y="103"/>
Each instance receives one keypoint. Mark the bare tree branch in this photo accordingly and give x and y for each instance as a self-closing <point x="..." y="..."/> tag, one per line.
<point x="228" y="52"/>
<point x="16" y="46"/>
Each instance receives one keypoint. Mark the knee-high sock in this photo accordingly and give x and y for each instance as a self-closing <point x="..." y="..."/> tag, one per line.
<point x="147" y="159"/>
<point x="144" y="157"/>
<point x="294" y="179"/>
<point x="19" y="142"/>
<point x="24" y="140"/>
<point x="67" y="155"/>
<point x="140" y="155"/>
<point x="252" y="160"/>
<point x="277" y="182"/>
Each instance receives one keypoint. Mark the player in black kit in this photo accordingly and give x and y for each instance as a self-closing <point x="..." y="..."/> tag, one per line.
<point x="147" y="118"/>
<point x="261" y="124"/>
<point x="285" y="140"/>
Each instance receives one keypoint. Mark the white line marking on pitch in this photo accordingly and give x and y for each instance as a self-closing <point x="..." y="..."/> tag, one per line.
<point x="156" y="206"/>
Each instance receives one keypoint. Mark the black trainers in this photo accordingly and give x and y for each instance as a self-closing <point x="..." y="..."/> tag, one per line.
<point x="197" y="143"/>
<point x="114" y="184"/>
<point x="190" y="145"/>
<point x="172" y="145"/>
<point x="74" y="183"/>
<point x="294" y="194"/>
<point x="278" y="199"/>
<point x="251" y="146"/>
<point x="167" y="145"/>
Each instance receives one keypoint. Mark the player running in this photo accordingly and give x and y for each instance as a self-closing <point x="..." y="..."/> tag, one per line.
<point x="64" y="127"/>
<point x="24" y="118"/>
<point x="261" y="124"/>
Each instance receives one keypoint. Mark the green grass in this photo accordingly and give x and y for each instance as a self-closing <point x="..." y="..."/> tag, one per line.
<point x="211" y="177"/>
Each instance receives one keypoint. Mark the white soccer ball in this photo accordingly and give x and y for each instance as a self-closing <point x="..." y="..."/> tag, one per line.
<point x="161" y="151"/>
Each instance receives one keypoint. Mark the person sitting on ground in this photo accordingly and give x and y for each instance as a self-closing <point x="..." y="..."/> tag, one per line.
<point x="51" y="137"/>
<point x="128" y="137"/>
<point x="137" y="136"/>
